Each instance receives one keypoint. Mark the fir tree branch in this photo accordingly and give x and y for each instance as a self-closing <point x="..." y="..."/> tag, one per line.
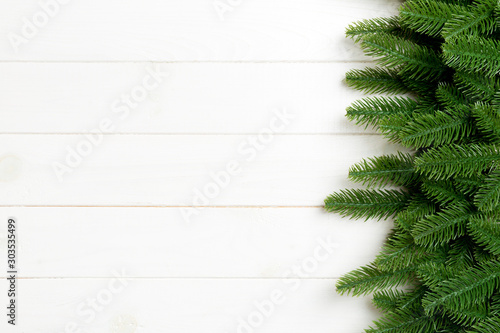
<point x="387" y="300"/>
<point x="414" y="60"/>
<point x="489" y="325"/>
<point x="487" y="197"/>
<point x="487" y="121"/>
<point x="471" y="315"/>
<point x="391" y="126"/>
<point x="442" y="192"/>
<point x="473" y="54"/>
<point x="418" y="208"/>
<point x="442" y="227"/>
<point x="449" y="96"/>
<point x="428" y="16"/>
<point x="369" y="111"/>
<point x="476" y="86"/>
<point x="359" y="29"/>
<point x="368" y="279"/>
<point x="399" y="252"/>
<point x="461" y="254"/>
<point x="433" y="273"/>
<point x="485" y="230"/>
<point x="457" y="160"/>
<point x="405" y="321"/>
<point x="481" y="254"/>
<point x="446" y="243"/>
<point x="379" y="204"/>
<point x="382" y="170"/>
<point x="469" y="186"/>
<point x="478" y="20"/>
<point x="471" y="287"/>
<point x="376" y="80"/>
<point x="437" y="129"/>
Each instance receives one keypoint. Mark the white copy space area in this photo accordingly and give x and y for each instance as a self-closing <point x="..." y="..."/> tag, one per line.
<point x="166" y="163"/>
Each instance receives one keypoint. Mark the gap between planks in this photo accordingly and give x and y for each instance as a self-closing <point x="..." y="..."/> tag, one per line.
<point x="175" y="278"/>
<point x="189" y="61"/>
<point x="153" y="206"/>
<point x="195" y="134"/>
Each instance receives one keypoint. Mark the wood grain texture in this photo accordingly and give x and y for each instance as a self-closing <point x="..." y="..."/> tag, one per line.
<point x="221" y="242"/>
<point x="201" y="98"/>
<point x="152" y="170"/>
<point x="192" y="263"/>
<point x="189" y="30"/>
<point x="187" y="305"/>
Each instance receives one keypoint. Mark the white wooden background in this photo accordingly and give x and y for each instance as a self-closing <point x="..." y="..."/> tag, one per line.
<point x="120" y="210"/>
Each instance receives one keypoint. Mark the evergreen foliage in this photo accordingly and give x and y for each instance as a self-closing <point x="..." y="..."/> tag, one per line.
<point x="439" y="270"/>
<point x="382" y="170"/>
<point x="366" y="203"/>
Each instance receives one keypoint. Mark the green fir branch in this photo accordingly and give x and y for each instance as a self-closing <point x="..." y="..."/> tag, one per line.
<point x="358" y="30"/>
<point x="485" y="230"/>
<point x="470" y="288"/>
<point x="487" y="120"/>
<point x="437" y="129"/>
<point x="442" y="227"/>
<point x="382" y="170"/>
<point x="449" y="96"/>
<point x="368" y="279"/>
<point x="405" y="321"/>
<point x="457" y="160"/>
<point x="442" y="192"/>
<point x="356" y="203"/>
<point x="426" y="16"/>
<point x="445" y="246"/>
<point x="418" y="207"/>
<point x="478" y="20"/>
<point x="376" y="80"/>
<point x="369" y="111"/>
<point x="399" y="252"/>
<point x="414" y="61"/>
<point x="487" y="197"/>
<point x="476" y="86"/>
<point x="473" y="54"/>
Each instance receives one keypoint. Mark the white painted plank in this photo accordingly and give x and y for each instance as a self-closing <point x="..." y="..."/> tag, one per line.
<point x="188" y="306"/>
<point x="188" y="30"/>
<point x="158" y="242"/>
<point x="194" y="98"/>
<point x="157" y="170"/>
